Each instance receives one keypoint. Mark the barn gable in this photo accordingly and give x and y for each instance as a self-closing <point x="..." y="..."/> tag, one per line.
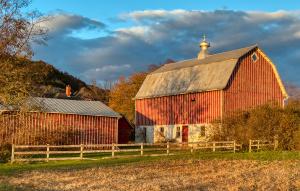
<point x="279" y="81"/>
<point x="253" y="83"/>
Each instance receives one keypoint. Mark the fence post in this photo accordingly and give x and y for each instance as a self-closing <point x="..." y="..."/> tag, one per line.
<point x="81" y="151"/>
<point x="168" y="148"/>
<point x="12" y="160"/>
<point x="113" y="150"/>
<point x="234" y="146"/>
<point x="250" y="146"/>
<point x="192" y="149"/>
<point x="214" y="146"/>
<point x="258" y="145"/>
<point x="48" y="151"/>
<point x="275" y="144"/>
<point x="142" y="149"/>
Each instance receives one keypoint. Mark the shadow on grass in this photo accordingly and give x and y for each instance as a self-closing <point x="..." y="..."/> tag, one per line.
<point x="8" y="187"/>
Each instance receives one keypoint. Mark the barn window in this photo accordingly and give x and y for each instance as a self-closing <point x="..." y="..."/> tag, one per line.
<point x="162" y="129"/>
<point x="177" y="132"/>
<point x="202" y="131"/>
<point x="254" y="57"/>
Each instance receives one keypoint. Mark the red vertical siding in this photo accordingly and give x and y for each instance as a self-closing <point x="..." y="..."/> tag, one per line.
<point x="179" y="109"/>
<point x="252" y="84"/>
<point x="85" y="129"/>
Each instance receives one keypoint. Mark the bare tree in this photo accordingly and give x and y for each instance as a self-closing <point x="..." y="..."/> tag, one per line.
<point x="19" y="29"/>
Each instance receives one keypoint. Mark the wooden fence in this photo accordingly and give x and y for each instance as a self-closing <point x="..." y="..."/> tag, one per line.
<point x="44" y="152"/>
<point x="256" y="145"/>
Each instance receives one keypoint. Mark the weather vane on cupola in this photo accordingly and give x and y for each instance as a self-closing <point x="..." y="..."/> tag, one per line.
<point x="204" y="45"/>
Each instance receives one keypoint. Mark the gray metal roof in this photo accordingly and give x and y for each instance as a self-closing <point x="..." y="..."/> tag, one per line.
<point x="80" y="107"/>
<point x="210" y="73"/>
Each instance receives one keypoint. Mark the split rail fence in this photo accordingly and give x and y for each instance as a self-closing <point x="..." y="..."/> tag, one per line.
<point x="256" y="145"/>
<point x="52" y="152"/>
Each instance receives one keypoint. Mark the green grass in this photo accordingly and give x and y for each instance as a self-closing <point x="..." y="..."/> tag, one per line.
<point x="12" y="169"/>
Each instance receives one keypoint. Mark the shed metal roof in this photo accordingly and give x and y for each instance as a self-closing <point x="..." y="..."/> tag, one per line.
<point x="80" y="107"/>
<point x="66" y="106"/>
<point x="210" y="73"/>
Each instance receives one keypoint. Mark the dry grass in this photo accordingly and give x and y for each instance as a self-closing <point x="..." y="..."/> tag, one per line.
<point x="167" y="175"/>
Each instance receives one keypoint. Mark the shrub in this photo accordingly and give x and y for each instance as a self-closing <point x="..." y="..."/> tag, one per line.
<point x="263" y="123"/>
<point x="5" y="152"/>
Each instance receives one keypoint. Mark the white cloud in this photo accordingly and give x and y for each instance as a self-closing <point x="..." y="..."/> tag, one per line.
<point x="152" y="14"/>
<point x="65" y="23"/>
<point x="155" y="35"/>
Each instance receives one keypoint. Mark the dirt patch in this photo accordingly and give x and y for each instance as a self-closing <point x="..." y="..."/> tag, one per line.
<point x="170" y="175"/>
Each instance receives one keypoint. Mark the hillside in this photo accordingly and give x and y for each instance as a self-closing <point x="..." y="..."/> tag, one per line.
<point x="47" y="81"/>
<point x="293" y="90"/>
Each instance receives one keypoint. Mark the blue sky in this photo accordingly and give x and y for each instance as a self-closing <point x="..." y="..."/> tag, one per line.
<point x="110" y="8"/>
<point x="102" y="40"/>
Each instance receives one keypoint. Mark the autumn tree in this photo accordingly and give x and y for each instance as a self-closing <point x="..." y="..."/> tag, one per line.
<point x="122" y="94"/>
<point x="17" y="31"/>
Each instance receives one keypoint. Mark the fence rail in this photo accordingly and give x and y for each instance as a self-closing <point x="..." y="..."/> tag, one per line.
<point x="47" y="150"/>
<point x="262" y="144"/>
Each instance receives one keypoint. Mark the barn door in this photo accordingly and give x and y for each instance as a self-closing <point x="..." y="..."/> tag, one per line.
<point x="185" y="134"/>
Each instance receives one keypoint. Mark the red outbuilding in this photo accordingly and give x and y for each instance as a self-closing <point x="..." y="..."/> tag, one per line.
<point x="179" y="100"/>
<point x="64" y="121"/>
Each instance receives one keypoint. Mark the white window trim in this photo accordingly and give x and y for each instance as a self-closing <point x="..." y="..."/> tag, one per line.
<point x="257" y="58"/>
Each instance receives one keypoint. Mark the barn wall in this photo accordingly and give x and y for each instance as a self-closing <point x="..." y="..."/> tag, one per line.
<point x="179" y="109"/>
<point x="252" y="84"/>
<point x="82" y="129"/>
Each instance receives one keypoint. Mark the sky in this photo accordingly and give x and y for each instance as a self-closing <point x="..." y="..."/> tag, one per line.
<point x="103" y="40"/>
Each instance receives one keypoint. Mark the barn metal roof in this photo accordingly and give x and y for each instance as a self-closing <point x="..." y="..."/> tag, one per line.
<point x="79" y="107"/>
<point x="66" y="106"/>
<point x="210" y="73"/>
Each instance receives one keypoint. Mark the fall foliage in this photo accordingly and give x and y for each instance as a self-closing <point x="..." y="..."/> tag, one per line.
<point x="122" y="94"/>
<point x="18" y="30"/>
<point x="263" y="123"/>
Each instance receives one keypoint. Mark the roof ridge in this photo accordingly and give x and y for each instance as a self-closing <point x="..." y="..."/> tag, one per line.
<point x="53" y="98"/>
<point x="228" y="51"/>
<point x="218" y="57"/>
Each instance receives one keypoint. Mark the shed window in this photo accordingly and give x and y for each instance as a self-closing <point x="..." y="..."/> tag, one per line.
<point x="144" y="133"/>
<point x="254" y="57"/>
<point x="202" y="131"/>
<point x="177" y="132"/>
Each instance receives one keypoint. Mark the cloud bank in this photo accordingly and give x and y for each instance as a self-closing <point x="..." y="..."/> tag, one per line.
<point x="153" y="36"/>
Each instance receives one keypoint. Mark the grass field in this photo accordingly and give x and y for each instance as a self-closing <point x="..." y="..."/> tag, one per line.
<point x="200" y="171"/>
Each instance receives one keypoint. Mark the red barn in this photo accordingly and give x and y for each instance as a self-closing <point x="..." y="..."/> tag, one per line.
<point x="65" y="120"/>
<point x="179" y="100"/>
